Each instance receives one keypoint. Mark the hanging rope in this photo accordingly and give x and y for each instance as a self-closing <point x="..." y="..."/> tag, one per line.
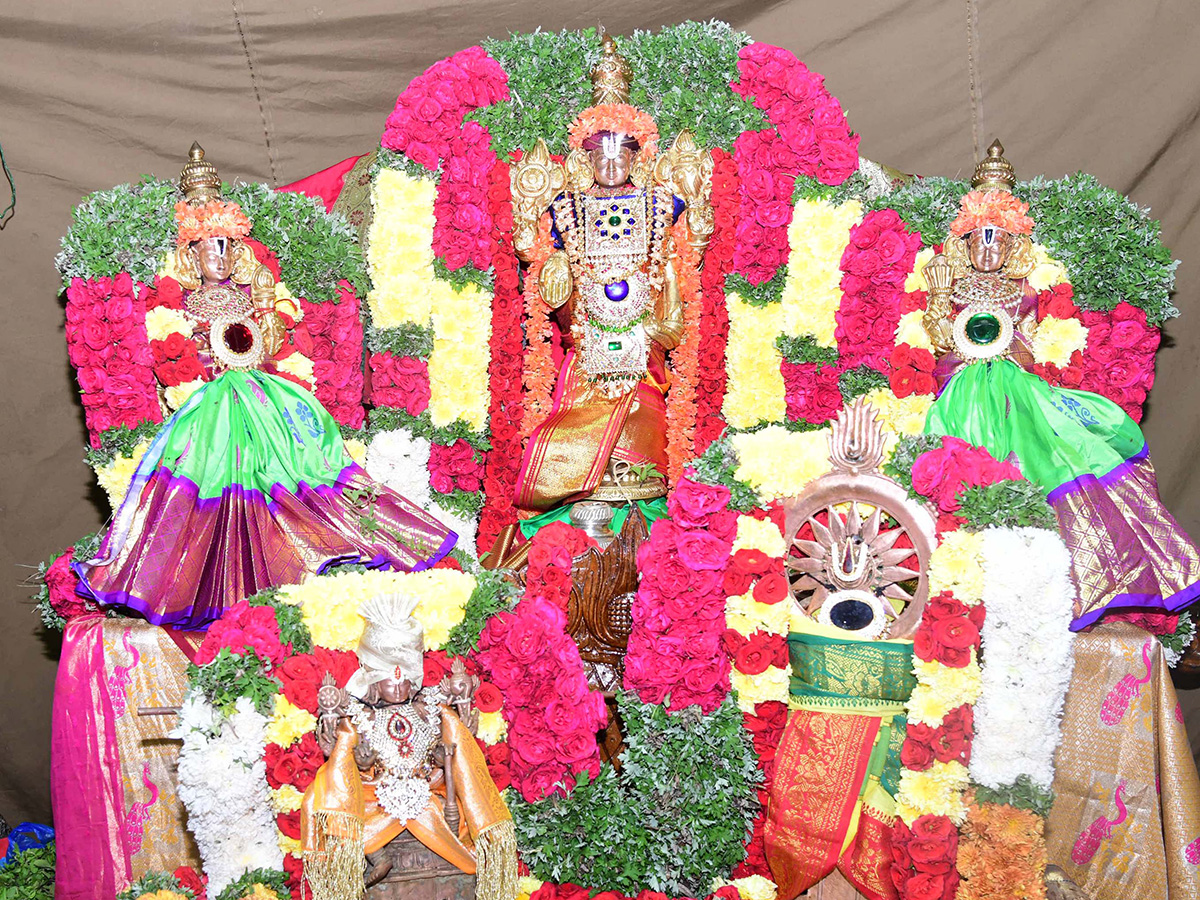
<point x="11" y="209"/>
<point x="972" y="75"/>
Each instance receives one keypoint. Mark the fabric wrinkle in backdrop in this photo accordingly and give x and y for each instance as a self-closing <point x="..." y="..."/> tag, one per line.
<point x="94" y="94"/>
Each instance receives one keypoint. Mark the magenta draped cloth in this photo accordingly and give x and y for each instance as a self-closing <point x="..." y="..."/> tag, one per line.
<point x="85" y="773"/>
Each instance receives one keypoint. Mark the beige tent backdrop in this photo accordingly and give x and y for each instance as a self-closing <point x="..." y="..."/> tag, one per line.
<point x="96" y="92"/>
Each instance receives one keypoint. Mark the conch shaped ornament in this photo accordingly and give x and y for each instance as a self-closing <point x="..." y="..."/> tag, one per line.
<point x="686" y="169"/>
<point x="536" y="180"/>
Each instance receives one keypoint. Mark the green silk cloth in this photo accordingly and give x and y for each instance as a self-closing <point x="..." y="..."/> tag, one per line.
<point x="653" y="510"/>
<point x="252" y="430"/>
<point x="865" y="677"/>
<point x="1057" y="434"/>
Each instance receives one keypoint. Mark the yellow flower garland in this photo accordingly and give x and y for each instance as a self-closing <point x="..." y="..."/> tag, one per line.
<point x="1056" y="339"/>
<point x="492" y="727"/>
<point x="288" y="723"/>
<point x="752" y="887"/>
<point x="330" y="605"/>
<point x="458" y="366"/>
<point x="115" y="476"/>
<point x="957" y="566"/>
<point x="812" y="291"/>
<point x="759" y="534"/>
<point x="779" y="463"/>
<point x="162" y="322"/>
<point x="400" y="252"/>
<point x="286" y="798"/>
<point x="754" y="391"/>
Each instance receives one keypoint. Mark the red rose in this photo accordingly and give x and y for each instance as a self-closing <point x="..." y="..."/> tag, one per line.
<point x="289" y="824"/>
<point x="701" y="550"/>
<point x="754" y="658"/>
<point x="189" y="879"/>
<point x="692" y="503"/>
<point x="917" y="751"/>
<point x="752" y="562"/>
<point x="488" y="698"/>
<point x="925" y="886"/>
<point x="771" y="588"/>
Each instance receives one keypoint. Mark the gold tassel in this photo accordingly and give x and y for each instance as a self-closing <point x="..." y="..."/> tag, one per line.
<point x="496" y="862"/>
<point x="336" y="872"/>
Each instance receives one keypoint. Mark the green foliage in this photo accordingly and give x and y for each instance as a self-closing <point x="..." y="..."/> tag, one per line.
<point x="463" y="276"/>
<point x="1175" y="643"/>
<point x="861" y="380"/>
<point x="131" y="227"/>
<point x="681" y="76"/>
<point x="85" y="548"/>
<point x="389" y="419"/>
<point x="29" y="875"/>
<point x="152" y="883"/>
<point x="548" y="86"/>
<point x="316" y="249"/>
<point x="804" y="348"/>
<point x="1006" y="504"/>
<point x="1021" y="794"/>
<point x="717" y="465"/>
<point x="464" y="504"/>
<point x="125" y="229"/>
<point x="676" y="816"/>
<point x="229" y="677"/>
<point x="908" y="448"/>
<point x="272" y="879"/>
<point x="390" y="159"/>
<point x="1112" y="248"/>
<point x="927" y="205"/>
<point x="769" y="291"/>
<point x="494" y="592"/>
<point x="292" y="629"/>
<point x="120" y="441"/>
<point x="853" y="188"/>
<point x="405" y="340"/>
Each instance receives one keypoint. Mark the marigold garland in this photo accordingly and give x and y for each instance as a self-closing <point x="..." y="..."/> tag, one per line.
<point x="539" y="371"/>
<point x="681" y="399"/>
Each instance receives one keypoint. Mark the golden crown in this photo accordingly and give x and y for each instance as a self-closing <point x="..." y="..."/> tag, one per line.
<point x="610" y="76"/>
<point x="199" y="180"/>
<point x="994" y="172"/>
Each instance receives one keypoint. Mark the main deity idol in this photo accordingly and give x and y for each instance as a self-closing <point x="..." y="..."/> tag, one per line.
<point x="612" y="277"/>
<point x="1127" y="551"/>
<point x="248" y="485"/>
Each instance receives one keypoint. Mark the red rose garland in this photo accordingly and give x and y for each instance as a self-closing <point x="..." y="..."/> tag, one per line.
<point x="1118" y="362"/>
<point x="455" y="468"/>
<point x="243" y="628"/>
<point x="943" y="473"/>
<point x="714" y="317"/>
<point x="675" y="653"/>
<point x="552" y="714"/>
<point x="301" y="674"/>
<point x="765" y="726"/>
<point x="811" y="391"/>
<point x="504" y="372"/>
<point x="401" y="382"/>
<point x="876" y="263"/>
<point x="336" y="331"/>
<point x="766" y="204"/>
<point x="923" y="858"/>
<point x="108" y="346"/>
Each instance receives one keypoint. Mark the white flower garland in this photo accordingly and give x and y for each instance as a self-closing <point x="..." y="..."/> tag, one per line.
<point x="1027" y="659"/>
<point x="223" y="784"/>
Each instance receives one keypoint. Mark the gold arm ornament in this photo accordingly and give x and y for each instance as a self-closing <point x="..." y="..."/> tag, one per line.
<point x="666" y="326"/>
<point x="536" y="180"/>
<point x="555" y="280"/>
<point x="686" y="170"/>
<point x="939" y="276"/>
<point x="262" y="292"/>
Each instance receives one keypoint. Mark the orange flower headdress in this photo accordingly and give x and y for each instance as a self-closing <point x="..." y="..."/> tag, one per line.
<point x="997" y="208"/>
<point x="203" y="213"/>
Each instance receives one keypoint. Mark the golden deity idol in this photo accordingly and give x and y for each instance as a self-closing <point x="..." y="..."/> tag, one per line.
<point x="612" y="278"/>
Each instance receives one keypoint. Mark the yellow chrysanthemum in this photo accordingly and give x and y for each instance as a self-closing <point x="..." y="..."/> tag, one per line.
<point x="458" y="382"/>
<point x="759" y="534"/>
<point x="755" y="391"/>
<point x="163" y="894"/>
<point x="115" y="477"/>
<point x="528" y="885"/>
<point x="916" y="278"/>
<point x="817" y="235"/>
<point x="911" y="331"/>
<point x="330" y="605"/>
<point x="936" y="791"/>
<point x="299" y="365"/>
<point x="754" y="689"/>
<point x="286" y="798"/>
<point x="492" y="727"/>
<point x="957" y="566"/>
<point x="745" y="615"/>
<point x="1056" y="339"/>
<point x="899" y="415"/>
<point x="942" y="688"/>
<point x="357" y="450"/>
<point x="780" y="463"/>
<point x="1047" y="272"/>
<point x="288" y="723"/>
<point x="400" y="250"/>
<point x="752" y="887"/>
<point x="177" y="394"/>
<point x="161" y="322"/>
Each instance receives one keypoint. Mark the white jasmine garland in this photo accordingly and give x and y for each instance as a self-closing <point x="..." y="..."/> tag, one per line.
<point x="1027" y="661"/>
<point x="223" y="784"/>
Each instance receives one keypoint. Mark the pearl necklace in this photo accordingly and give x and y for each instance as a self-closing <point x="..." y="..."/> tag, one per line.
<point x="403" y="740"/>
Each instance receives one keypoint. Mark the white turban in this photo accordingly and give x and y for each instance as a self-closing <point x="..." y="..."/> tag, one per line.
<point x="392" y="643"/>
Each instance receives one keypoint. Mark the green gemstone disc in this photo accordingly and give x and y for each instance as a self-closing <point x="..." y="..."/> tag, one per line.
<point x="614" y="220"/>
<point x="614" y="345"/>
<point x="983" y="329"/>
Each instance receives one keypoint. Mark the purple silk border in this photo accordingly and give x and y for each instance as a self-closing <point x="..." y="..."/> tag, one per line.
<point x="1083" y="481"/>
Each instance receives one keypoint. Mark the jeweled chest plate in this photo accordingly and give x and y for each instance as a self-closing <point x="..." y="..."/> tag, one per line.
<point x="615" y="233"/>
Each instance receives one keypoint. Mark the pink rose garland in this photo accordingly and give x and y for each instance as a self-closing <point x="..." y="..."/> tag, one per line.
<point x="675" y="653"/>
<point x="337" y="349"/>
<point x="108" y="346"/>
